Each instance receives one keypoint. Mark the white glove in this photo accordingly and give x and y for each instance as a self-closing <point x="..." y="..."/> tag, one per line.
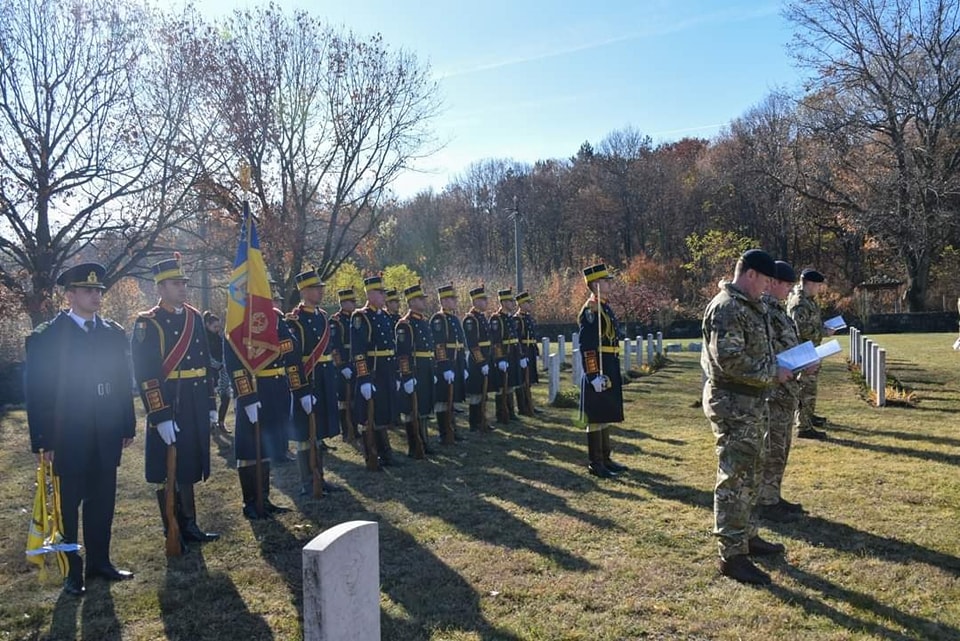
<point x="214" y="418"/>
<point x="484" y="369"/>
<point x="597" y="383"/>
<point x="466" y="374"/>
<point x="434" y="379"/>
<point x="168" y="431"/>
<point x="306" y="402"/>
<point x="523" y="363"/>
<point x="409" y="385"/>
<point x="503" y="365"/>
<point x="347" y="373"/>
<point x="398" y="384"/>
<point x="367" y="390"/>
<point x="252" y="411"/>
<point x="448" y="376"/>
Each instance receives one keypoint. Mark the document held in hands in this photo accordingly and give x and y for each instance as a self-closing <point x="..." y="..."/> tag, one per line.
<point x="805" y="354"/>
<point x="836" y="323"/>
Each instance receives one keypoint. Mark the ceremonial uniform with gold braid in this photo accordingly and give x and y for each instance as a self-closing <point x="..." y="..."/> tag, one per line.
<point x="476" y="331"/>
<point x="505" y="347"/>
<point x="373" y="354"/>
<point x="340" y="352"/>
<point x="449" y="351"/>
<point x="170" y="360"/>
<point x="415" y="352"/>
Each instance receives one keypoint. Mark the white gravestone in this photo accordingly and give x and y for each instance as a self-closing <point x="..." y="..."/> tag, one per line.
<point x="649" y="349"/>
<point x="341" y="584"/>
<point x="554" y="377"/>
<point x="882" y="376"/>
<point x="627" y="349"/>
<point x="562" y="348"/>
<point x="638" y="350"/>
<point x="659" y="342"/>
<point x="545" y="352"/>
<point x="577" y="367"/>
<point x="575" y="340"/>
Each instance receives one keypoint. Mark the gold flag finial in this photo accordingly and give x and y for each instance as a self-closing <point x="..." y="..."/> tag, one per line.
<point x="245" y="176"/>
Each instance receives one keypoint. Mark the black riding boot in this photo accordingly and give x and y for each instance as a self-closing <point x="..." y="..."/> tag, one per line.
<point x="188" y="517"/>
<point x="616" y="468"/>
<point x="269" y="507"/>
<point x="595" y="452"/>
<point x="384" y="451"/>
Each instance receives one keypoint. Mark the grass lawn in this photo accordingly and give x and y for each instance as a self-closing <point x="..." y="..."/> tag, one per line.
<point x="505" y="536"/>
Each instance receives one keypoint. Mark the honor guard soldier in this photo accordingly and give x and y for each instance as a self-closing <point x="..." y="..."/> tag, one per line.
<point x="340" y="350"/>
<point x="805" y="312"/>
<point x="263" y="409"/>
<point x="373" y="348"/>
<point x="506" y="355"/>
<point x="741" y="366"/>
<point x="601" y="389"/>
<point x="316" y="337"/>
<point x="415" y="352"/>
<point x="219" y="375"/>
<point x="529" y="350"/>
<point x="171" y="359"/>
<point x="392" y="305"/>
<point x="80" y="415"/>
<point x="450" y="361"/>
<point x="476" y="333"/>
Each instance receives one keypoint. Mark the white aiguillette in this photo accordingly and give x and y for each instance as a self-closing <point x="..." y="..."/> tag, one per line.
<point x="805" y="354"/>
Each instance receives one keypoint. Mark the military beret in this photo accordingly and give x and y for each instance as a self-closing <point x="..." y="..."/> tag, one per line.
<point x="759" y="261"/>
<point x="811" y="275"/>
<point x="785" y="272"/>
<point x="83" y="275"/>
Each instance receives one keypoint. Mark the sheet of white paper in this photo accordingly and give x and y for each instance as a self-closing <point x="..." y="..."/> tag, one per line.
<point x="799" y="357"/>
<point x="836" y="323"/>
<point x="829" y="349"/>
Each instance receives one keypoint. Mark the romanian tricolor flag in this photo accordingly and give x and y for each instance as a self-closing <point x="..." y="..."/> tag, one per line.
<point x="251" y="322"/>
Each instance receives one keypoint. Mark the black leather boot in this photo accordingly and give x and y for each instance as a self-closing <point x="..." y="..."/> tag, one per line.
<point x="594" y="451"/>
<point x="269" y="507"/>
<point x="740" y="568"/>
<point x="423" y="437"/>
<point x="188" y="517"/>
<point x="248" y="490"/>
<point x="474" y="420"/>
<point x="616" y="468"/>
<point x="412" y="435"/>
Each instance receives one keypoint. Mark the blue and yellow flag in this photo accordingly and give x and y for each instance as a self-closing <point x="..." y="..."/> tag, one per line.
<point x="251" y="322"/>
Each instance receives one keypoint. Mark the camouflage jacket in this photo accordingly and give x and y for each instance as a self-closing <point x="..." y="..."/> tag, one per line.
<point x="783" y="334"/>
<point x="737" y="341"/>
<point x="805" y="312"/>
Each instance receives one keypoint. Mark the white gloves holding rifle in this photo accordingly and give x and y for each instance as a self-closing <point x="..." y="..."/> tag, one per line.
<point x="347" y="373"/>
<point x="503" y="365"/>
<point x="448" y="376"/>
<point x="252" y="411"/>
<point x="306" y="402"/>
<point x="367" y="390"/>
<point x="484" y="369"/>
<point x="598" y="384"/>
<point x="168" y="432"/>
<point x="523" y="362"/>
<point x="409" y="385"/>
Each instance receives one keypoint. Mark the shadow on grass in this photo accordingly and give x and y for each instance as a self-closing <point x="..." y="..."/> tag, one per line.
<point x="64" y="622"/>
<point x="897" y="434"/>
<point x="820" y="532"/>
<point x="894" y="450"/>
<point x="224" y="614"/>
<point x="899" y="621"/>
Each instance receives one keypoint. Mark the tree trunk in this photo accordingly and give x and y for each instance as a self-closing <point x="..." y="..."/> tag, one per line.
<point x="918" y="277"/>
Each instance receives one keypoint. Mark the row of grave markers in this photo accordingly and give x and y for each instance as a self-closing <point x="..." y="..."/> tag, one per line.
<point x="630" y="351"/>
<point x="872" y="360"/>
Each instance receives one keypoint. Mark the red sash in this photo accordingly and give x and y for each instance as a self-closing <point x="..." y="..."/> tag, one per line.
<point x="172" y="361"/>
<point x="319" y="348"/>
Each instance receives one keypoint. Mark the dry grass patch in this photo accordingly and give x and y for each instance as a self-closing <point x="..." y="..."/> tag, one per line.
<point x="505" y="536"/>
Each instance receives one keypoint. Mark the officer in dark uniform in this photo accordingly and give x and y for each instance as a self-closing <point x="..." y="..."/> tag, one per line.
<point x="477" y="339"/>
<point x="316" y="337"/>
<point x="266" y="401"/>
<point x="601" y="388"/>
<point x="450" y="361"/>
<point x="171" y="360"/>
<point x="80" y="415"/>
<point x="218" y="374"/>
<point x="340" y="351"/>
<point x="529" y="352"/>
<point x="506" y="355"/>
<point x="373" y="348"/>
<point x="415" y="351"/>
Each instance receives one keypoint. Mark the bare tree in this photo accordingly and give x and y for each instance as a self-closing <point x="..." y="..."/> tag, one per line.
<point x="324" y="120"/>
<point x="885" y="111"/>
<point x="90" y="157"/>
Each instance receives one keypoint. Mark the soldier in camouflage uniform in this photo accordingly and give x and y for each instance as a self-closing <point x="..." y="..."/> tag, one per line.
<point x="782" y="405"/>
<point x="740" y="365"/>
<point x="803" y="309"/>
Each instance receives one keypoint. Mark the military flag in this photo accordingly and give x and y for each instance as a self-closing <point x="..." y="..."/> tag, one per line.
<point x="251" y="325"/>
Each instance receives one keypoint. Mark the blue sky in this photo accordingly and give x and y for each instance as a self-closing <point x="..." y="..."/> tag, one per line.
<point x="533" y="80"/>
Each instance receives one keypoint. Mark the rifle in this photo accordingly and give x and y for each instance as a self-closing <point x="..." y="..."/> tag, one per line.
<point x="170" y="504"/>
<point x="526" y="388"/>
<point x="483" y="404"/>
<point x="415" y="419"/>
<point x="503" y="395"/>
<point x="314" y="458"/>
<point x="348" y="415"/>
<point x="448" y="433"/>
<point x="370" y="445"/>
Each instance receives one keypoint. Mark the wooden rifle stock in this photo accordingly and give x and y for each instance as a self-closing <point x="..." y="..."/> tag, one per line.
<point x="370" y="445"/>
<point x="415" y="419"/>
<point x="259" y="469"/>
<point x="448" y="438"/>
<point x="315" y="458"/>
<point x="483" y="403"/>
<point x="170" y="504"/>
<point x="348" y="415"/>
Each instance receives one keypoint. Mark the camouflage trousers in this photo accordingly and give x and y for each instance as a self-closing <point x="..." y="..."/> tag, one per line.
<point x="782" y="407"/>
<point x="739" y="425"/>
<point x="803" y="417"/>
